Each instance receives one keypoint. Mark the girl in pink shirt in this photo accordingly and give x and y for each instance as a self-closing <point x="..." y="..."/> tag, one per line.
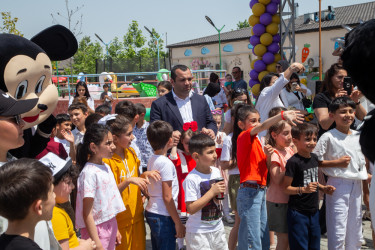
<point x="280" y="138"/>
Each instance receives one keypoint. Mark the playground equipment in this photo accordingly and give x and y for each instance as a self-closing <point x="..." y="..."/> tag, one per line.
<point x="144" y="89"/>
<point x="123" y="91"/>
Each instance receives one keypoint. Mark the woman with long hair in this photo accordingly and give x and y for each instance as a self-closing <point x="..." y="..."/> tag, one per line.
<point x="83" y="91"/>
<point x="332" y="88"/>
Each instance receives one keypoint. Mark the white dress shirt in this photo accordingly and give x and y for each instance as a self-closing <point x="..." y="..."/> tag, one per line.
<point x="184" y="106"/>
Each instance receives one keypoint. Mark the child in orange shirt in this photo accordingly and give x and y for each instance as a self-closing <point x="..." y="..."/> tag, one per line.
<point x="251" y="161"/>
<point x="125" y="167"/>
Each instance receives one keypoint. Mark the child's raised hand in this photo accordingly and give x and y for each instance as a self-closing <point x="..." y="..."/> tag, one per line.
<point x="218" y="188"/>
<point x="293" y="116"/>
<point x="68" y="135"/>
<point x="154" y="174"/>
<point x="268" y="150"/>
<point x="344" y="161"/>
<point x="311" y="187"/>
<point x="328" y="189"/>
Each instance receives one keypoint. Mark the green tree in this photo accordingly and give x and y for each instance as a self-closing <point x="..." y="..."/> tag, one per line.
<point x="153" y="46"/>
<point x="85" y="58"/>
<point x="134" y="40"/>
<point x="9" y="24"/>
<point x="244" y="24"/>
<point x="116" y="49"/>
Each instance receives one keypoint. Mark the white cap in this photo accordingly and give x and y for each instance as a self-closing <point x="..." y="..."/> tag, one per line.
<point x="56" y="164"/>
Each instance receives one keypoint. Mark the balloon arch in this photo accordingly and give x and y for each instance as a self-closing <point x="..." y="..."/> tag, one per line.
<point x="265" y="40"/>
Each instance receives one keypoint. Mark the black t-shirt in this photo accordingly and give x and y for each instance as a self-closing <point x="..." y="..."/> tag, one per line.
<point x="303" y="171"/>
<point x="323" y="100"/>
<point x="17" y="242"/>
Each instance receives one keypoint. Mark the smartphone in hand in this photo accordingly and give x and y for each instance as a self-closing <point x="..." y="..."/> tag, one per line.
<point x="348" y="85"/>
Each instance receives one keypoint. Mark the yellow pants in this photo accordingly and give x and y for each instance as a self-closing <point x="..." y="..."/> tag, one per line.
<point x="133" y="237"/>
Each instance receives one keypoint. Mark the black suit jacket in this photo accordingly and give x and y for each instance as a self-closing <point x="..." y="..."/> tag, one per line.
<point x="165" y="109"/>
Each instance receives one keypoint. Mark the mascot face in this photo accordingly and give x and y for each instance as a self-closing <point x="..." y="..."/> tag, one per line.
<point x="26" y="78"/>
<point x="26" y="71"/>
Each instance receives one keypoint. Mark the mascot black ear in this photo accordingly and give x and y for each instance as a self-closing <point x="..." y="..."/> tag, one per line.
<point x="57" y="41"/>
<point x="367" y="136"/>
<point x="359" y="57"/>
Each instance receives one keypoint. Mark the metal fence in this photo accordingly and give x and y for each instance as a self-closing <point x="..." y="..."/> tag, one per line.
<point x="136" y="64"/>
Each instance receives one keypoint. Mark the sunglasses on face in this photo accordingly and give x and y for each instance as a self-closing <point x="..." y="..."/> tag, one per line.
<point x="240" y="91"/>
<point x="278" y="67"/>
<point x="16" y="119"/>
<point x="217" y="112"/>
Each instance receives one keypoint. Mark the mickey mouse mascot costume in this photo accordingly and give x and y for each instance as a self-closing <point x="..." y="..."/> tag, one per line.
<point x="25" y="73"/>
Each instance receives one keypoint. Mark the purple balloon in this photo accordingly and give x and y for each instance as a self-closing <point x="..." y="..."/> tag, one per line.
<point x="268" y="58"/>
<point x="252" y="2"/>
<point x="266" y="18"/>
<point x="273" y="48"/>
<point x="259" y="29"/>
<point x="254" y="74"/>
<point x="276" y="38"/>
<point x="276" y="1"/>
<point x="271" y="8"/>
<point x="260" y="66"/>
<point x="253" y="82"/>
<point x="254" y="40"/>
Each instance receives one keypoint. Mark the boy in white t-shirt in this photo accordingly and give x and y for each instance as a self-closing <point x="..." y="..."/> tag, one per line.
<point x="161" y="211"/>
<point x="204" y="228"/>
<point x="339" y="154"/>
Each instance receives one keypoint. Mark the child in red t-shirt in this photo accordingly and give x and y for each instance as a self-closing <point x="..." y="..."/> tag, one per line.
<point x="252" y="164"/>
<point x="184" y="163"/>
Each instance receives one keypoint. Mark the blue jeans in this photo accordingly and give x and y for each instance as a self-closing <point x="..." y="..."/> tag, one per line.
<point x="303" y="230"/>
<point x="253" y="232"/>
<point x="163" y="231"/>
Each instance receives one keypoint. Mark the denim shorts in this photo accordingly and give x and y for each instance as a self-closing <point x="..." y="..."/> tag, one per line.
<point x="163" y="231"/>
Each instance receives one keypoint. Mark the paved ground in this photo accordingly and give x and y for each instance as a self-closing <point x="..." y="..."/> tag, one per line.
<point x="323" y="243"/>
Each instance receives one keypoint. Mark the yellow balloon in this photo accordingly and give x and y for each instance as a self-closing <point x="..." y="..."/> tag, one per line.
<point x="272" y="28"/>
<point x="276" y="19"/>
<point x="258" y="9"/>
<point x="253" y="20"/>
<point x="255" y="89"/>
<point x="260" y="49"/>
<point x="277" y="57"/>
<point x="262" y="74"/>
<point x="271" y="67"/>
<point x="304" y="81"/>
<point x="252" y="63"/>
<point x="265" y="2"/>
<point x="266" y="39"/>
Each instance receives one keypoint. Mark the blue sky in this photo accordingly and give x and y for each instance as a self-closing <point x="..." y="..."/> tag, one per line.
<point x="181" y="20"/>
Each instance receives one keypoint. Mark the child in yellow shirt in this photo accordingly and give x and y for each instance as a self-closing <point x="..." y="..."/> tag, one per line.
<point x="125" y="167"/>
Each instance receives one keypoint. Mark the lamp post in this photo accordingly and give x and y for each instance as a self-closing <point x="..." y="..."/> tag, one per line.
<point x="157" y="43"/>
<point x="218" y="30"/>
<point x="106" y="47"/>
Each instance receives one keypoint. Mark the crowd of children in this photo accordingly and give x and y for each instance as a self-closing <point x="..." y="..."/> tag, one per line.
<point x="127" y="171"/>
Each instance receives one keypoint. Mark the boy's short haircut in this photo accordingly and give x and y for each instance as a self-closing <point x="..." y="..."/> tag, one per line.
<point x="60" y="118"/>
<point x="158" y="134"/>
<point x="199" y="142"/>
<point x="141" y="109"/>
<point x="304" y="129"/>
<point x="340" y="102"/>
<point x="119" y="125"/>
<point x="22" y="183"/>
<point x="127" y="109"/>
<point x="92" y="119"/>
<point x="105" y="86"/>
<point x="80" y="106"/>
<point x="103" y="109"/>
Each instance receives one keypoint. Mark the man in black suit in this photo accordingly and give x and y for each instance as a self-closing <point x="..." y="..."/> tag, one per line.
<point x="181" y="105"/>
